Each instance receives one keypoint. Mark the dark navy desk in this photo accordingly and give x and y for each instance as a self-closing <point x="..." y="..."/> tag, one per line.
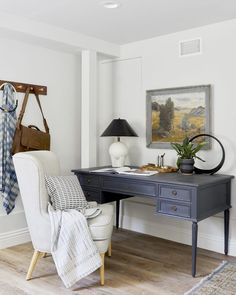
<point x="192" y="198"/>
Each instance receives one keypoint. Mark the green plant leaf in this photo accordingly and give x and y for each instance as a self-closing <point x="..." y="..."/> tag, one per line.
<point x="186" y="141"/>
<point x="199" y="146"/>
<point x="187" y="150"/>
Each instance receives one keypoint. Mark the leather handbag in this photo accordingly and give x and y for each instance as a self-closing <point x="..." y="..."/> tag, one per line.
<point x="30" y="138"/>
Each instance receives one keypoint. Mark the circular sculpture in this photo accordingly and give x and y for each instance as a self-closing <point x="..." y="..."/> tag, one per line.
<point x="215" y="169"/>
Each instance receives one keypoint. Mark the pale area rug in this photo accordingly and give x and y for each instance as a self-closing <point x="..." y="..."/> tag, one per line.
<point x="222" y="281"/>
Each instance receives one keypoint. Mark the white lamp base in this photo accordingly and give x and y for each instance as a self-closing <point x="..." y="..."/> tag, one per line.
<point x="118" y="152"/>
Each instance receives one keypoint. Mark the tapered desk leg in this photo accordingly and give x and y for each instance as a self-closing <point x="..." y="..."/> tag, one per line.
<point x="194" y="247"/>
<point x="226" y="226"/>
<point x="117" y="213"/>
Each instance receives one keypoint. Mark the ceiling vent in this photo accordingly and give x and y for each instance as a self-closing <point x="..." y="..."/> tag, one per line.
<point x="190" y="47"/>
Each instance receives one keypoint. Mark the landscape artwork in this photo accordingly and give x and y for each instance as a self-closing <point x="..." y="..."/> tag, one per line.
<point x="173" y="114"/>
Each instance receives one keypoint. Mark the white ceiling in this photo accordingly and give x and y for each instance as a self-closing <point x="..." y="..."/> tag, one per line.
<point x="134" y="20"/>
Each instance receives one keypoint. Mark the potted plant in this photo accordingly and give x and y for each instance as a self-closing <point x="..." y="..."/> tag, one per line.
<point x="186" y="154"/>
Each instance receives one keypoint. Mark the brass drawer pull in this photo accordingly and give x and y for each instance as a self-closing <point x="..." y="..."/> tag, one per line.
<point x="173" y="208"/>
<point x="174" y="193"/>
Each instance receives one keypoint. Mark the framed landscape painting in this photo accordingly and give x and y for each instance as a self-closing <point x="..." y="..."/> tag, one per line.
<point x="173" y="114"/>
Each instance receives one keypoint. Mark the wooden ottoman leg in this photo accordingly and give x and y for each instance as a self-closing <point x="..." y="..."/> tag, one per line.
<point x="102" y="280"/>
<point x="33" y="262"/>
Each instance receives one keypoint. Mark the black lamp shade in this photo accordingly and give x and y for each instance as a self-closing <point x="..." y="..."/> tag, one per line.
<point x="119" y="127"/>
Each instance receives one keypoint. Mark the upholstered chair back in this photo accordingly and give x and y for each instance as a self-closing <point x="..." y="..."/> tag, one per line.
<point x="31" y="168"/>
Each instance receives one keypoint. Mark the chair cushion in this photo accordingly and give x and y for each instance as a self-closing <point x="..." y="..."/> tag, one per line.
<point x="65" y="192"/>
<point x="101" y="226"/>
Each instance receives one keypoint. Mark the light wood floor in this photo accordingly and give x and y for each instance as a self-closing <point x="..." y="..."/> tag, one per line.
<point x="140" y="265"/>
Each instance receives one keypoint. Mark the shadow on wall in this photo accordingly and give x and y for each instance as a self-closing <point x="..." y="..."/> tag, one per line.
<point x="230" y="162"/>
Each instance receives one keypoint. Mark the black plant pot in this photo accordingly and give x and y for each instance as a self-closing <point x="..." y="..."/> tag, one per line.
<point x="186" y="166"/>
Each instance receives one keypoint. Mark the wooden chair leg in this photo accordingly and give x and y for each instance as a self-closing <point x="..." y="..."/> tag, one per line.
<point x="109" y="250"/>
<point x="102" y="279"/>
<point x="33" y="262"/>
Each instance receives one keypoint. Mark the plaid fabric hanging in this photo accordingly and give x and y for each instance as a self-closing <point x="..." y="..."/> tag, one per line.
<point x="8" y="181"/>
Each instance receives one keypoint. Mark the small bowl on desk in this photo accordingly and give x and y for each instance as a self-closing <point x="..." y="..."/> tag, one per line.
<point x="161" y="169"/>
<point x="167" y="169"/>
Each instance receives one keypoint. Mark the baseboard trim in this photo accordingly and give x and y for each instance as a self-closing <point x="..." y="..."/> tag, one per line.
<point x="177" y="234"/>
<point x="14" y="212"/>
<point x="13" y="238"/>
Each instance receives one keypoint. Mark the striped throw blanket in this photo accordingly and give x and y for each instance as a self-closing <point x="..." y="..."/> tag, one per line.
<point x="8" y="181"/>
<point x="73" y="250"/>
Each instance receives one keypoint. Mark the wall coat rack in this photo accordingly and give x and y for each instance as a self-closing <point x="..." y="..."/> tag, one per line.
<point x="21" y="87"/>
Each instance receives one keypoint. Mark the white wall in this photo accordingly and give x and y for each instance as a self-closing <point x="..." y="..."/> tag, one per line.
<point x="60" y="72"/>
<point x="155" y="64"/>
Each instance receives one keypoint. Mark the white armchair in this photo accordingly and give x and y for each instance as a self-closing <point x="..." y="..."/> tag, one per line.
<point x="30" y="170"/>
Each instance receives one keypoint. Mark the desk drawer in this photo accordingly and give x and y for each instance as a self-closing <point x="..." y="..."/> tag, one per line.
<point x="92" y="195"/>
<point x="175" y="193"/>
<point x="90" y="180"/>
<point x="130" y="187"/>
<point x="171" y="208"/>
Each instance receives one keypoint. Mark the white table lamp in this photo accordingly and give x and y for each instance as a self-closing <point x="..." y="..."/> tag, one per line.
<point x="118" y="150"/>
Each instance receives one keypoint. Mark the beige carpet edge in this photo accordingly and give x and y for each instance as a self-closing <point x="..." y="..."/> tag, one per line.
<point x="207" y="278"/>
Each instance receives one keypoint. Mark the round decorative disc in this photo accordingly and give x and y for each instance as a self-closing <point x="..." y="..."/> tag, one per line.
<point x="219" y="165"/>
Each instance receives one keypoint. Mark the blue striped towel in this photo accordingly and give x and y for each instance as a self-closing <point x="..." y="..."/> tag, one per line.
<point x="8" y="181"/>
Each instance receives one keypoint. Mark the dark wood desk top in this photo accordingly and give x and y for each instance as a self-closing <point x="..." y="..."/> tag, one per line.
<point x="195" y="180"/>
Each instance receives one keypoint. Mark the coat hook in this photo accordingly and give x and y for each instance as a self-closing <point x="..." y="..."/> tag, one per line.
<point x="22" y="87"/>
